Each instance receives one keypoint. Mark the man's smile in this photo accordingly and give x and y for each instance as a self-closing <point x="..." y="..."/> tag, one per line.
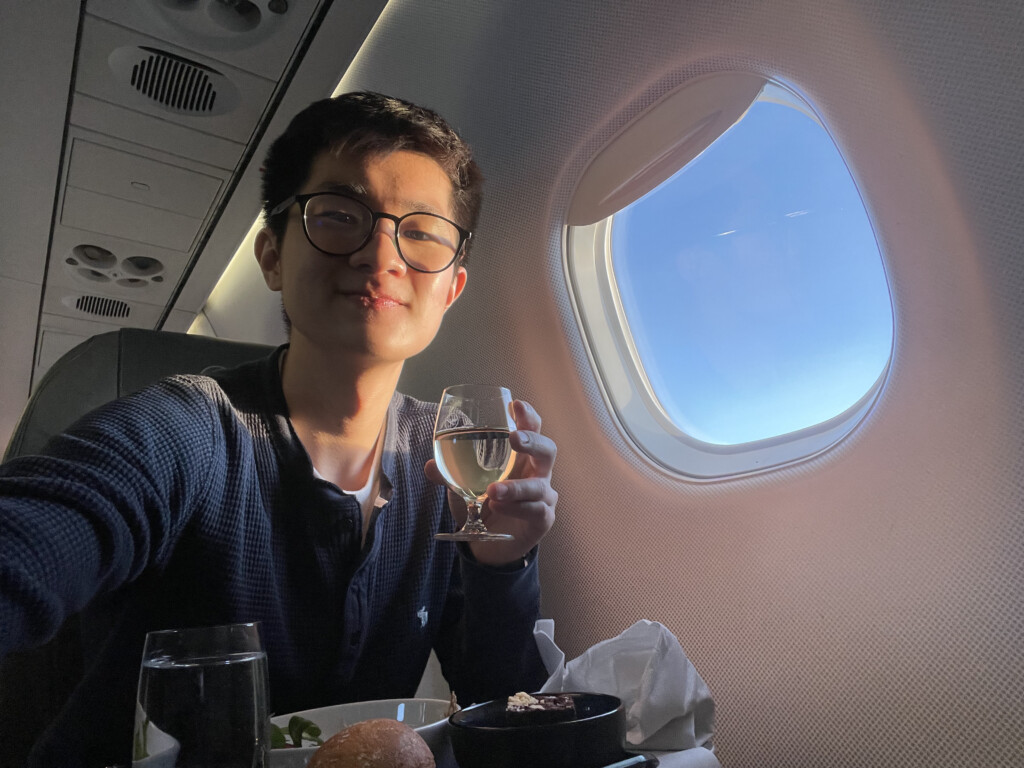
<point x="372" y="299"/>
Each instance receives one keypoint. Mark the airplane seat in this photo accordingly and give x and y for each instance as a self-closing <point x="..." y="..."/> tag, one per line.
<point x="35" y="684"/>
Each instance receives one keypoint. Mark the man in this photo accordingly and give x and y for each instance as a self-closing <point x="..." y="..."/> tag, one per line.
<point x="297" y="491"/>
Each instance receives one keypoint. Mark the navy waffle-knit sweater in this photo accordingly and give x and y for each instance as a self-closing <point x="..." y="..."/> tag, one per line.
<point x="193" y="502"/>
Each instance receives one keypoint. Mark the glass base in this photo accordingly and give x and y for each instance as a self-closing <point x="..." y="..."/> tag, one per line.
<point x="465" y="535"/>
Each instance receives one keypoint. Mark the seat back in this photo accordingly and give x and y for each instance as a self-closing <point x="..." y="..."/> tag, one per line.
<point x="112" y="365"/>
<point x="35" y="684"/>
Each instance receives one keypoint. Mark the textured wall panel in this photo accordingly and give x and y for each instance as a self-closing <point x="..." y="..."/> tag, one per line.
<point x="862" y="609"/>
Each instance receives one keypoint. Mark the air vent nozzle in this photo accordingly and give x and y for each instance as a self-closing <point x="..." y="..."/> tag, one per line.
<point x="172" y="82"/>
<point x="94" y="264"/>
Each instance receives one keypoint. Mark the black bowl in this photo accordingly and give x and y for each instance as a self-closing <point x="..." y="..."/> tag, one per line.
<point x="482" y="736"/>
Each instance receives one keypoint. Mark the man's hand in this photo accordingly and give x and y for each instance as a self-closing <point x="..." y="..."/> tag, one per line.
<point x="524" y="503"/>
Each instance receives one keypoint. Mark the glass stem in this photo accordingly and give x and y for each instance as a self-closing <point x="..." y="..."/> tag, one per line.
<point x="473" y="521"/>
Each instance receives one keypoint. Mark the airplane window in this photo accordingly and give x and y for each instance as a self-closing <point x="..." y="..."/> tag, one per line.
<point x="744" y="298"/>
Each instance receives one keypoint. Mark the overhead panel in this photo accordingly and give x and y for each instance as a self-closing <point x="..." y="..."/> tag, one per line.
<point x="136" y="204"/>
<point x="110" y="119"/>
<point x="129" y="195"/>
<point x="247" y="34"/>
<point x="139" y="179"/>
<point x="87" y="304"/>
<point x="148" y="75"/>
<point x="168" y="95"/>
<point x="127" y="269"/>
<point x="104" y="215"/>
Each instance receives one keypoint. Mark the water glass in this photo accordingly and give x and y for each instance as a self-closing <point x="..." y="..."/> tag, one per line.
<point x="203" y="699"/>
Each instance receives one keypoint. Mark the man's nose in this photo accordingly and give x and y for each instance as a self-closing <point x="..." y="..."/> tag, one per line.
<point x="380" y="254"/>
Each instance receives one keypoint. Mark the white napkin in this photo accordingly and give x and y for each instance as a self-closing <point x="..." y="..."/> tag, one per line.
<point x="668" y="706"/>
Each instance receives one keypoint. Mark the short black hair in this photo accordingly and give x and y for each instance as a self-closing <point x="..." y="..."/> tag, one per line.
<point x="368" y="124"/>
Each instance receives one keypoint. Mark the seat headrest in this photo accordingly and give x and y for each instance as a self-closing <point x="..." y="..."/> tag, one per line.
<point x="112" y="365"/>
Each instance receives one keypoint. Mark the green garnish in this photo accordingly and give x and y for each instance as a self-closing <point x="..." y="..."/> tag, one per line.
<point x="277" y="739"/>
<point x="299" y="729"/>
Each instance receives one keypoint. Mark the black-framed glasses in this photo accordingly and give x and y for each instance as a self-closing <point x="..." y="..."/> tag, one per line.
<point x="339" y="225"/>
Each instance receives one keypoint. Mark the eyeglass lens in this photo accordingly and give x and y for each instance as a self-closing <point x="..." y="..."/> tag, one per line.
<point x="340" y="225"/>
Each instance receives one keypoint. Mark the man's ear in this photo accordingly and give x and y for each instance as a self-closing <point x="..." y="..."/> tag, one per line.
<point x="457" y="286"/>
<point x="269" y="258"/>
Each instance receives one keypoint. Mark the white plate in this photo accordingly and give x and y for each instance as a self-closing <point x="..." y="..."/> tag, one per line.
<point x="426" y="716"/>
<point x="163" y="750"/>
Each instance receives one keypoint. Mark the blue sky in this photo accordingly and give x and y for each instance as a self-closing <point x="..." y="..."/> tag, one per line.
<point x="753" y="285"/>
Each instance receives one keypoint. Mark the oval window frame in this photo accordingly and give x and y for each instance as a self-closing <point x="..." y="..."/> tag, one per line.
<point x="640" y="157"/>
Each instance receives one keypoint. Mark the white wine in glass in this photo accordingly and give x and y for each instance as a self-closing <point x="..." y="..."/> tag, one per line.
<point x="472" y="450"/>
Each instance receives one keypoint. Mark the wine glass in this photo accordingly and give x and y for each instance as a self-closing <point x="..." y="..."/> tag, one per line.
<point x="472" y="449"/>
<point x="203" y="699"/>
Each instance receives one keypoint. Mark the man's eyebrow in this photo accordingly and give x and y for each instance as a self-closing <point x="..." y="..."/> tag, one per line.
<point x="359" y="192"/>
<point x="354" y="190"/>
<point x="419" y="205"/>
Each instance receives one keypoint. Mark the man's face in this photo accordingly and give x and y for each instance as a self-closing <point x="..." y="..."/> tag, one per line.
<point x="370" y="304"/>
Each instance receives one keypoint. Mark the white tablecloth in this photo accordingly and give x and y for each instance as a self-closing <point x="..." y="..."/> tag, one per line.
<point x="698" y="757"/>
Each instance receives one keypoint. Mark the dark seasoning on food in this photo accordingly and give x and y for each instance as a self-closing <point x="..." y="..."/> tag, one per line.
<point x="524" y="709"/>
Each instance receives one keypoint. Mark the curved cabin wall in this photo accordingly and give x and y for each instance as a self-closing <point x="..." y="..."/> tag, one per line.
<point x="863" y="608"/>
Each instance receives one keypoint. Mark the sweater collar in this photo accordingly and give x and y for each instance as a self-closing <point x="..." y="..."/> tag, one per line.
<point x="292" y="454"/>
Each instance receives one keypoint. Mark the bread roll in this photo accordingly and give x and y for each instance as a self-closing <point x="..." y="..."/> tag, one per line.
<point x="382" y="743"/>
